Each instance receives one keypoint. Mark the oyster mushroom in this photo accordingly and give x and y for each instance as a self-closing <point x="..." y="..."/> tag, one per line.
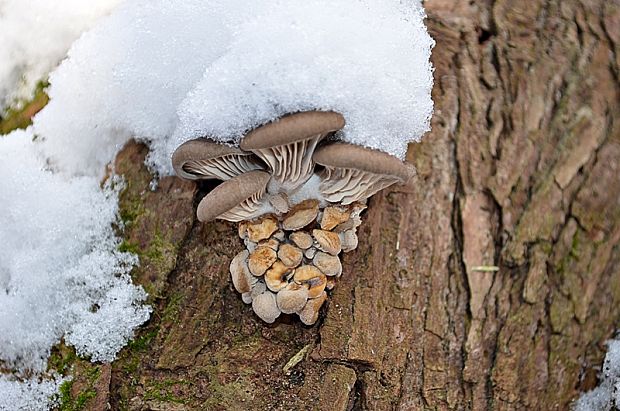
<point x="354" y="173"/>
<point x="292" y="298"/>
<point x="265" y="306"/>
<point x="236" y="199"/>
<point x="287" y="144"/>
<point x="205" y="159"/>
<point x="310" y="313"/>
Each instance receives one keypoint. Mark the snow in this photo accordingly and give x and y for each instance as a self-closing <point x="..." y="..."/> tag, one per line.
<point x="60" y="272"/>
<point x="32" y="395"/>
<point x="165" y="71"/>
<point x="169" y="71"/>
<point x="368" y="60"/>
<point x="606" y="396"/>
<point x="36" y="35"/>
<point x="58" y="261"/>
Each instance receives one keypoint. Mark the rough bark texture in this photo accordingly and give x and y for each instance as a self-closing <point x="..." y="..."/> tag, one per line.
<point x="520" y="172"/>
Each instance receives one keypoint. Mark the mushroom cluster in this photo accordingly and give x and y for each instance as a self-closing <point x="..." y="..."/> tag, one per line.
<point x="297" y="196"/>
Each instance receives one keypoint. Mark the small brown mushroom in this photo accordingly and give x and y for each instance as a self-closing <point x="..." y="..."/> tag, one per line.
<point x="354" y="173"/>
<point x="236" y="199"/>
<point x="327" y="263"/>
<point x="310" y="253"/>
<point x="240" y="274"/>
<point x="292" y="298"/>
<point x="261" y="260"/>
<point x="332" y="216"/>
<point x="275" y="277"/>
<point x="349" y="240"/>
<point x="328" y="241"/>
<point x="301" y="215"/>
<point x="265" y="306"/>
<point x="286" y="145"/>
<point x="312" y="277"/>
<point x="204" y="159"/>
<point x="261" y="228"/>
<point x="290" y="255"/>
<point x="310" y="313"/>
<point x="302" y="239"/>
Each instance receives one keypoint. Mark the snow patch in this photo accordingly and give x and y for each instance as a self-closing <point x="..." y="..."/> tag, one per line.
<point x="29" y="395"/>
<point x="61" y="272"/>
<point x="36" y="35"/>
<point x="606" y="396"/>
<point x="169" y="71"/>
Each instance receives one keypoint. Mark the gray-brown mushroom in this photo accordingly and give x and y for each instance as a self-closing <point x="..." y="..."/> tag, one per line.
<point x="236" y="199"/>
<point x="205" y="159"/>
<point x="287" y="145"/>
<point x="354" y="173"/>
<point x="265" y="306"/>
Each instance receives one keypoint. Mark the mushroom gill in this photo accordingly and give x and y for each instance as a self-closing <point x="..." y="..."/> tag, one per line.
<point x="295" y="221"/>
<point x="354" y="173"/>
<point x="237" y="199"/>
<point x="287" y="144"/>
<point x="205" y="159"/>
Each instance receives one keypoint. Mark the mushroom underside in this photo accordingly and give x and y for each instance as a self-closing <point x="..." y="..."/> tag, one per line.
<point x="345" y="186"/>
<point x="223" y="168"/>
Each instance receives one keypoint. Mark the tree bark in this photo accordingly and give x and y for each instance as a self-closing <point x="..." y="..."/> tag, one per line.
<point x="519" y="174"/>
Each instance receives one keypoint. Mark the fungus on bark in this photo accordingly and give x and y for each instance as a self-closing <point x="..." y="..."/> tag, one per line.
<point x="353" y="173"/>
<point x="205" y="159"/>
<point x="237" y="199"/>
<point x="287" y="144"/>
<point x="294" y="217"/>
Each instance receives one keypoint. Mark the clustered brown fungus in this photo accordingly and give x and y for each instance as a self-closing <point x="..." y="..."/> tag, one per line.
<point x="297" y="197"/>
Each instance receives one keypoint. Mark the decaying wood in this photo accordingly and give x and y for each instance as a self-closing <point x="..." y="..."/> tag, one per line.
<point x="520" y="172"/>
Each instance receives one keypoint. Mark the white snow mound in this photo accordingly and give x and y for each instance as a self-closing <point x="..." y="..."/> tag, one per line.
<point x="169" y="71"/>
<point x="36" y="35"/>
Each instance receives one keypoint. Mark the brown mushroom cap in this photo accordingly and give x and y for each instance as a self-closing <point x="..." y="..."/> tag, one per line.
<point x="287" y="144"/>
<point x="204" y="159"/>
<point x="354" y="173"/>
<point x="236" y="199"/>
<point x="351" y="156"/>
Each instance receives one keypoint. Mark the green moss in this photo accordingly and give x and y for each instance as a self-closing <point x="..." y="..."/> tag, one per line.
<point x="162" y="391"/>
<point x="61" y="359"/>
<point x="22" y="117"/>
<point x="128" y="247"/>
<point x="143" y="342"/>
<point x="130" y="210"/>
<point x="79" y="402"/>
<point x="172" y="308"/>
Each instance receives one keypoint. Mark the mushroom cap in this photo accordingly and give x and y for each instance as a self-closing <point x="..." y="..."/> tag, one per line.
<point x="233" y="160"/>
<point x="265" y="306"/>
<point x="231" y="193"/>
<point x="291" y="128"/>
<point x="351" y="156"/>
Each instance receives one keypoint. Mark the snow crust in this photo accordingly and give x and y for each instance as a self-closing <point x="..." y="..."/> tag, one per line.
<point x="606" y="396"/>
<point x="169" y="71"/>
<point x="36" y="35"/>
<point x="29" y="395"/>
<point x="60" y="272"/>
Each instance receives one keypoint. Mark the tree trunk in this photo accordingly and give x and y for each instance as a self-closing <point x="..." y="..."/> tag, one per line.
<point x="490" y="283"/>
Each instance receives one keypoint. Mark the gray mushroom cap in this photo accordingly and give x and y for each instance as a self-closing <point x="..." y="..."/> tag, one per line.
<point x="236" y="199"/>
<point x="203" y="158"/>
<point x="354" y="173"/>
<point x="287" y="144"/>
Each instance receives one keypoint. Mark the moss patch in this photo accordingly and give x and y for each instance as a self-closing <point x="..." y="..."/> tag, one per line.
<point x="22" y="117"/>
